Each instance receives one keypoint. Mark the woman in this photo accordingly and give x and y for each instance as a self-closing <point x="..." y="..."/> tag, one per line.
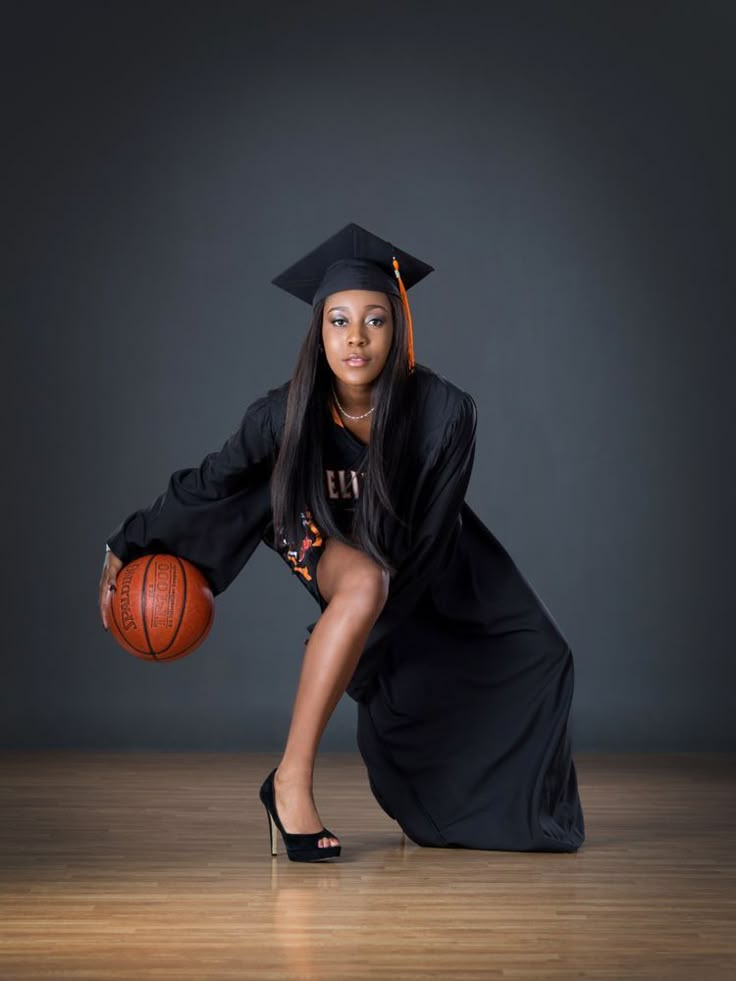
<point x="355" y="471"/>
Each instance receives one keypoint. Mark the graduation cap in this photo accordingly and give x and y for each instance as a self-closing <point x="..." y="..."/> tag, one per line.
<point x="355" y="259"/>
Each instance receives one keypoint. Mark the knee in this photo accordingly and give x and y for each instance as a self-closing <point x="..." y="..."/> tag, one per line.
<point x="350" y="575"/>
<point x="366" y="587"/>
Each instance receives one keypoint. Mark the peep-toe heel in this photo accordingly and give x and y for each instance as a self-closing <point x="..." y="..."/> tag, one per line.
<point x="299" y="847"/>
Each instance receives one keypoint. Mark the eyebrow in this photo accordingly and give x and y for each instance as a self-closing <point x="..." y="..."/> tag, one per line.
<point x="372" y="306"/>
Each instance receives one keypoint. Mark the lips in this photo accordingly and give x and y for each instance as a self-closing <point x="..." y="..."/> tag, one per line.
<point x="356" y="357"/>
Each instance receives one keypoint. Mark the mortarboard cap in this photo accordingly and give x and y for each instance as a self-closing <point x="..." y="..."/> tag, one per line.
<point x="354" y="259"/>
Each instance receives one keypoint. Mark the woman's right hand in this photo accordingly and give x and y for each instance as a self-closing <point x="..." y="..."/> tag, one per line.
<point x="110" y="571"/>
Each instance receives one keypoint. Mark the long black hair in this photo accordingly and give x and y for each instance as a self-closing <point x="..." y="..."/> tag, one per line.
<point x="297" y="480"/>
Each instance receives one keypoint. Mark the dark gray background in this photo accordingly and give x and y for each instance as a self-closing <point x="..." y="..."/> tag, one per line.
<point x="568" y="170"/>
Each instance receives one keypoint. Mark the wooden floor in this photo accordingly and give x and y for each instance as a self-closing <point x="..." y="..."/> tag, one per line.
<point x="159" y="866"/>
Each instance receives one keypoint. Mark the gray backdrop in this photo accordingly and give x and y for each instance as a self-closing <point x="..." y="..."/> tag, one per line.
<point x="568" y="170"/>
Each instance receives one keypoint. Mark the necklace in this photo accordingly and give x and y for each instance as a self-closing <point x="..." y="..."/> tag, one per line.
<point x="347" y="413"/>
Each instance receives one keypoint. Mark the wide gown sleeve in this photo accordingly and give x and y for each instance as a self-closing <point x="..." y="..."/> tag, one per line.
<point x="213" y="515"/>
<point x="437" y="522"/>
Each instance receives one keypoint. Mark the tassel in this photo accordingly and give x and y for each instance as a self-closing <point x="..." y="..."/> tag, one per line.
<point x="335" y="414"/>
<point x="410" y="326"/>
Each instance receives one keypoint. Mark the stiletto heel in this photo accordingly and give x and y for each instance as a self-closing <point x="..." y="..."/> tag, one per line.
<point x="272" y="832"/>
<point x="299" y="847"/>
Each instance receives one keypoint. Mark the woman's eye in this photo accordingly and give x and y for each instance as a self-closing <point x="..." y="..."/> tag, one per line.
<point x="339" y="320"/>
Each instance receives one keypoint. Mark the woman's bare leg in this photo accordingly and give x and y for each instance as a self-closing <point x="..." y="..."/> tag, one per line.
<point x="355" y="589"/>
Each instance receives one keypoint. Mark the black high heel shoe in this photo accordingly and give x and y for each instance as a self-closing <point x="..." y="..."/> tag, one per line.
<point x="299" y="848"/>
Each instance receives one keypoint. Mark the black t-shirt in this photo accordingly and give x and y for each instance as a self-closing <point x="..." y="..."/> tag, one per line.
<point x="345" y="460"/>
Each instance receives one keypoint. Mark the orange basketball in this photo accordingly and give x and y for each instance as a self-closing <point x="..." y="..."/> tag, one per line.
<point x="161" y="609"/>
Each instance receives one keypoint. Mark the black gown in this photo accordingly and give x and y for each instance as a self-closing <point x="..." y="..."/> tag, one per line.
<point x="465" y="683"/>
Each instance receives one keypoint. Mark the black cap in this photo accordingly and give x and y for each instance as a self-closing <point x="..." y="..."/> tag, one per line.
<point x="351" y="259"/>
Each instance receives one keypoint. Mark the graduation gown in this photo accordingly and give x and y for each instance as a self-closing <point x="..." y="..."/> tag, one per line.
<point x="465" y="683"/>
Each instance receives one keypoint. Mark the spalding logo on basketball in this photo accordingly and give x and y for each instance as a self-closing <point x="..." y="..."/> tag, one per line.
<point x="161" y="609"/>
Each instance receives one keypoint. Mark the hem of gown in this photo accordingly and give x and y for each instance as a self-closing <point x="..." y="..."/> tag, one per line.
<point x="411" y="830"/>
<point x="388" y="785"/>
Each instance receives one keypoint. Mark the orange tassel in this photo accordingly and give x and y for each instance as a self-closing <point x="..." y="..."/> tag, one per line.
<point x="410" y="325"/>
<point x="335" y="414"/>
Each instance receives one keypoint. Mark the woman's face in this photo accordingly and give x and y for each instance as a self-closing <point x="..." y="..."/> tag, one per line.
<point x="357" y="324"/>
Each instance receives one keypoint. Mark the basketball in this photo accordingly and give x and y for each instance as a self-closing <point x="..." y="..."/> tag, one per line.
<point x="161" y="609"/>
